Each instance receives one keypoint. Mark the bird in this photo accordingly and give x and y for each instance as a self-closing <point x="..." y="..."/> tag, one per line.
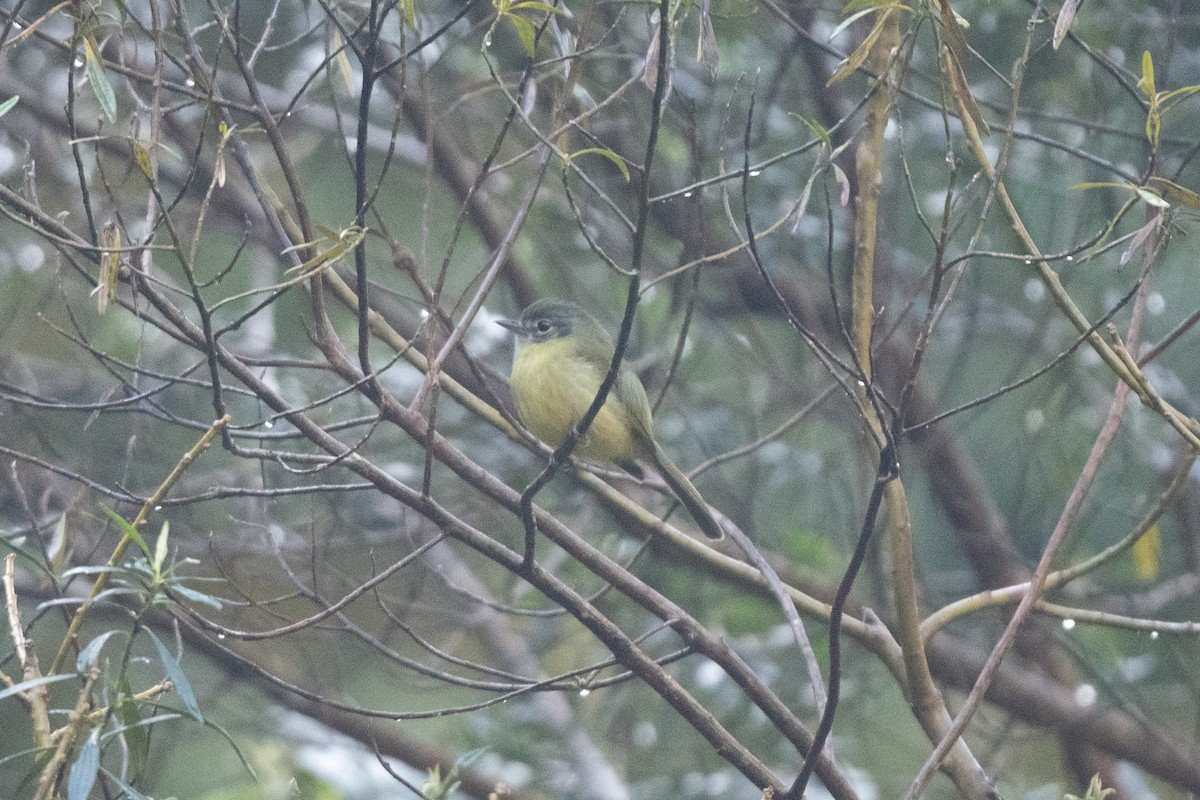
<point x="561" y="357"/>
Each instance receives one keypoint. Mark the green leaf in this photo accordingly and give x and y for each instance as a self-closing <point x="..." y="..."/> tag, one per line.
<point x="818" y="130"/>
<point x="137" y="736"/>
<point x="860" y="53"/>
<point x="1102" y="185"/>
<point x="175" y="674"/>
<point x="91" y="569"/>
<point x="1147" y="552"/>
<point x="960" y="89"/>
<point x="854" y="5"/>
<point x="98" y="80"/>
<point x="90" y="654"/>
<point x="525" y="31"/>
<point x="8" y="104"/>
<point x="132" y="793"/>
<point x="1146" y="84"/>
<point x="344" y="242"/>
<point x="534" y="5"/>
<point x="467" y="758"/>
<point x="160" y="547"/>
<point x="1175" y="193"/>
<point x="56" y="551"/>
<point x="409" y="9"/>
<point x="33" y="683"/>
<point x="342" y="61"/>
<point x="110" y="267"/>
<point x="1151" y="198"/>
<point x="85" y="768"/>
<point x="199" y="597"/>
<point x="142" y="156"/>
<point x="850" y="20"/>
<point x="603" y="151"/>
<point x="127" y="529"/>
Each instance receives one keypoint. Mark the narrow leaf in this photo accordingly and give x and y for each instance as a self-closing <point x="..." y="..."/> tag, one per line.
<point x="850" y="20"/>
<point x="198" y="597"/>
<point x="33" y="683"/>
<point x="534" y="5"/>
<point x="127" y="529"/>
<point x="1066" y="15"/>
<point x="469" y="757"/>
<point x="101" y="88"/>
<point x="90" y="654"/>
<point x="56" y="550"/>
<point x="1151" y="198"/>
<point x="344" y="243"/>
<point x="609" y="154"/>
<point x="526" y="33"/>
<point x="854" y="5"/>
<point x="142" y="156"/>
<point x="175" y="674"/>
<point x="85" y="768"/>
<point x="954" y="31"/>
<point x="137" y="736"/>
<point x="1139" y="239"/>
<point x="818" y="130"/>
<point x="1146" y="84"/>
<point x="961" y="90"/>
<point x="342" y="61"/>
<point x="91" y="569"/>
<point x="110" y="264"/>
<point x="160" y="547"/>
<point x="706" y="46"/>
<point x="1146" y="552"/>
<point x="8" y="104"/>
<point x="1175" y="193"/>
<point x="844" y="182"/>
<point x="860" y="53"/>
<point x="132" y="793"/>
<point x="1103" y="185"/>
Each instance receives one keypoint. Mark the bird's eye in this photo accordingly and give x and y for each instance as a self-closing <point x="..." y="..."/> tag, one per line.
<point x="543" y="326"/>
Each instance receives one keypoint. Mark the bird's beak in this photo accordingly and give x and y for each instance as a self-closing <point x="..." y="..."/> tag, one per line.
<point x="512" y="324"/>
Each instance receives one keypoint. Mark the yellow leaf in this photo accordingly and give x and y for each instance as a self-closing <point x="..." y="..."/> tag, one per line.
<point x="342" y="61"/>
<point x="603" y="151"/>
<point x="344" y="242"/>
<point x="1151" y="198"/>
<point x="961" y="91"/>
<point x="1146" y="552"/>
<point x="142" y="156"/>
<point x="1146" y="84"/>
<point x="110" y="264"/>
<point x="954" y="31"/>
<point x="856" y="58"/>
<point x="1174" y="193"/>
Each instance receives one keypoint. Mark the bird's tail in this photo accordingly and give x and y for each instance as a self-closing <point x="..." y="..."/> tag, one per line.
<point x="687" y="494"/>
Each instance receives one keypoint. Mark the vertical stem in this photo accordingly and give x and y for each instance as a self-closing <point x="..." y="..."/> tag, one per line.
<point x="927" y="703"/>
<point x="868" y="168"/>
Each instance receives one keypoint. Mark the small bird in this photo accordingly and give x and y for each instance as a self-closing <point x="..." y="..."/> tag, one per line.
<point x="561" y="358"/>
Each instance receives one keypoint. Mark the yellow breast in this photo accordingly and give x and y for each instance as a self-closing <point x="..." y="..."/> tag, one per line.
<point x="553" y="387"/>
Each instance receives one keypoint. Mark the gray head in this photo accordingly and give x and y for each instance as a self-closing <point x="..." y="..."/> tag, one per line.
<point x="548" y="319"/>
